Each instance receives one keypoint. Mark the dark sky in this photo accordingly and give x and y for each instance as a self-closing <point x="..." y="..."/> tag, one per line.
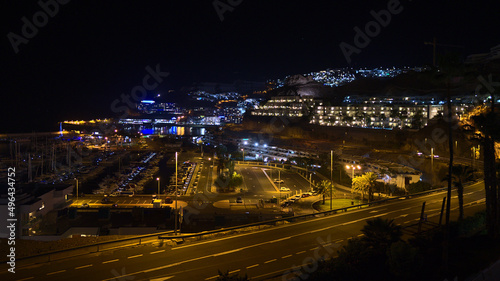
<point x="90" y="52"/>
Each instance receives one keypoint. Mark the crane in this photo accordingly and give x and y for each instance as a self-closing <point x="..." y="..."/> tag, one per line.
<point x="434" y="44"/>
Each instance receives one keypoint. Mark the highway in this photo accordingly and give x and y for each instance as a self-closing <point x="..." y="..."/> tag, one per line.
<point x="261" y="254"/>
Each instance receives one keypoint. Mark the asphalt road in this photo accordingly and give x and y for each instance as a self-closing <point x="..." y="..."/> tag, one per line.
<point x="261" y="254"/>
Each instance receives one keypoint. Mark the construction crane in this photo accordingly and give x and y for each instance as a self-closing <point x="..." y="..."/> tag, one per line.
<point x="434" y="44"/>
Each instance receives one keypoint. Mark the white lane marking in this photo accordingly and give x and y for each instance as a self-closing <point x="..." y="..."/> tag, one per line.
<point x="226" y="252"/>
<point x="110" y="261"/>
<point x="162" y="278"/>
<point x="234" y="271"/>
<point x="270" y="261"/>
<point x="284" y="257"/>
<point x="301" y="252"/>
<point x="160" y="251"/>
<point x="252" y="266"/>
<point x="84" y="266"/>
<point x="213" y="277"/>
<point x="136" y="256"/>
<point x="55" y="272"/>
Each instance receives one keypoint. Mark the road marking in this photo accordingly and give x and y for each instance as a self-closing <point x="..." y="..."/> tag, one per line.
<point x="312" y="249"/>
<point x="226" y="252"/>
<point x="338" y="241"/>
<point x="84" y="266"/>
<point x="26" y="279"/>
<point x="55" y="272"/>
<point x="213" y="277"/>
<point x="361" y="235"/>
<point x="301" y="252"/>
<point x="110" y="261"/>
<point x="252" y="266"/>
<point x="160" y="251"/>
<point x="284" y="257"/>
<point x="162" y="278"/>
<point x="136" y="256"/>
<point x="234" y="271"/>
<point x="374" y="211"/>
<point x="270" y="261"/>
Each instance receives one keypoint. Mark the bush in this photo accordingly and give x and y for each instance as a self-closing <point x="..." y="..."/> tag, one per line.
<point x="420" y="186"/>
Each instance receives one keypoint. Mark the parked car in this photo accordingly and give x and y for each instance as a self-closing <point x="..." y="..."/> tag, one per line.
<point x="305" y="195"/>
<point x="278" y="181"/>
<point x="239" y="200"/>
<point x="85" y="205"/>
<point x="283" y="188"/>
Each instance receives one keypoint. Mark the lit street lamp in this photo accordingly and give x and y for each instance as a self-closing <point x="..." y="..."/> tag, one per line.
<point x="158" y="180"/>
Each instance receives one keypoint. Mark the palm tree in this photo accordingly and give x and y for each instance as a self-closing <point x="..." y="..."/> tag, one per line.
<point x="461" y="174"/>
<point x="359" y="186"/>
<point x="381" y="233"/>
<point x="370" y="178"/>
<point x="323" y="188"/>
<point x="482" y="125"/>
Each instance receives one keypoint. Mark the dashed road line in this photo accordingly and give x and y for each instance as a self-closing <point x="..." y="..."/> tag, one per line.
<point x="56" y="272"/>
<point x="83" y="266"/>
<point x="287" y="256"/>
<point x="234" y="271"/>
<point x="312" y="249"/>
<point x="301" y="252"/>
<point x="213" y="277"/>
<point x="110" y="261"/>
<point x="252" y="266"/>
<point x="160" y="251"/>
<point x="28" y="278"/>
<point x="270" y="261"/>
<point x="136" y="256"/>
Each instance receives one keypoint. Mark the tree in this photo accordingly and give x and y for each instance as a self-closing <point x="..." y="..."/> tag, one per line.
<point x="325" y="187"/>
<point x="482" y="126"/>
<point x="381" y="233"/>
<point x="359" y="186"/>
<point x="461" y="174"/>
<point x="365" y="183"/>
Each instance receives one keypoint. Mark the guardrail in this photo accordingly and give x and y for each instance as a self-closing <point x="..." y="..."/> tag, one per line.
<point x="295" y="218"/>
<point x="149" y="238"/>
<point x="87" y="249"/>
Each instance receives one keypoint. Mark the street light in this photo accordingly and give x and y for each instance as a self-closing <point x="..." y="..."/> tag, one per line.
<point x="76" y="189"/>
<point x="158" y="180"/>
<point x="243" y="150"/>
<point x="331" y="180"/>
<point x="175" y="229"/>
<point x="310" y="181"/>
<point x="352" y="177"/>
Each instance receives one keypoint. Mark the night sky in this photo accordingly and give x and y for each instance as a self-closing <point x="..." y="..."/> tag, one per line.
<point x="90" y="52"/>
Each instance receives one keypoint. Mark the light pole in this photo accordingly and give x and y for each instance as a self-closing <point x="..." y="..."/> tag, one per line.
<point x="352" y="177"/>
<point x="175" y="229"/>
<point x="432" y="159"/>
<point x="310" y="181"/>
<point x="331" y="180"/>
<point x="243" y="150"/>
<point x="158" y="180"/>
<point x="76" y="189"/>
<point x="279" y="186"/>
